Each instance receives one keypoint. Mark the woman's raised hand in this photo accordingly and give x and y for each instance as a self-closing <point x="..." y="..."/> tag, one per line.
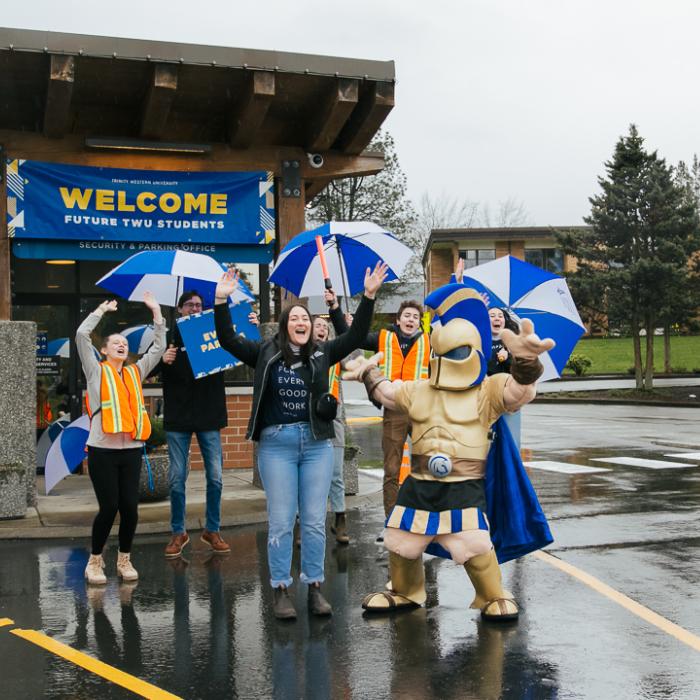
<point x="374" y="279"/>
<point x="107" y="306"/>
<point x="150" y="301"/>
<point x="227" y="285"/>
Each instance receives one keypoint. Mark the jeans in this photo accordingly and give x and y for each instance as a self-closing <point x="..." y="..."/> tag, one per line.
<point x="296" y="471"/>
<point x="178" y="451"/>
<point x="337" y="483"/>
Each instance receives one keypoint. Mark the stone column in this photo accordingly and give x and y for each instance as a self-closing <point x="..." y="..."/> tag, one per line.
<point x="17" y="418"/>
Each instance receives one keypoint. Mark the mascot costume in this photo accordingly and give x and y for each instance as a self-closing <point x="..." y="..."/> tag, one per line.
<point x="451" y="503"/>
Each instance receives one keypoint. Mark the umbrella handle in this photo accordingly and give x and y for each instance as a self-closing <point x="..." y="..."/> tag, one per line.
<point x="324" y="266"/>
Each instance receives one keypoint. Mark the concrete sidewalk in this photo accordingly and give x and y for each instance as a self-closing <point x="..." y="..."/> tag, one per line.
<point x="71" y="507"/>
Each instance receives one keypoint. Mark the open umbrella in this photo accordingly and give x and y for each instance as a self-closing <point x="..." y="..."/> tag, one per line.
<point x="528" y="291"/>
<point x="350" y="248"/>
<point x="167" y="274"/>
<point x="140" y="338"/>
<point x="67" y="451"/>
<point x="48" y="437"/>
<point x="58" y="346"/>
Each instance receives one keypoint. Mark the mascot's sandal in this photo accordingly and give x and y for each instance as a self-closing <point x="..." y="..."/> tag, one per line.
<point x="451" y="413"/>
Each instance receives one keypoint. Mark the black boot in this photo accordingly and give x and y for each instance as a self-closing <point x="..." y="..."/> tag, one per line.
<point x="318" y="605"/>
<point x="340" y="529"/>
<point x="282" y="605"/>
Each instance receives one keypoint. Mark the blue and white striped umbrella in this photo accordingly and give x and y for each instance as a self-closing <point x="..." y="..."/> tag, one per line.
<point x="47" y="439"/>
<point x="59" y="346"/>
<point x="140" y="338"/>
<point x="167" y="274"/>
<point x="67" y="451"/>
<point x="350" y="246"/>
<point x="528" y="291"/>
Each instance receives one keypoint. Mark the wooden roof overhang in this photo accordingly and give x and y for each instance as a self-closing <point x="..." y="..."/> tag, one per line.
<point x="253" y="108"/>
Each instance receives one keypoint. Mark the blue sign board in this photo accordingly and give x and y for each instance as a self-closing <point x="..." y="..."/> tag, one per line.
<point x="198" y="333"/>
<point x="120" y="211"/>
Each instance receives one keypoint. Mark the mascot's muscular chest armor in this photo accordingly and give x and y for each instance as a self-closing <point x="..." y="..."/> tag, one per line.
<point x="441" y="505"/>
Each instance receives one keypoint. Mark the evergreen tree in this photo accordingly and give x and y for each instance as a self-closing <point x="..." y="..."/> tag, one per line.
<point x="643" y="230"/>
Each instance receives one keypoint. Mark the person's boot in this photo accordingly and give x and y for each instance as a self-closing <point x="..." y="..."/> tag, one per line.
<point x="282" y="606"/>
<point x="177" y="543"/>
<point x="215" y="542"/>
<point x="340" y="529"/>
<point x="494" y="602"/>
<point x="318" y="605"/>
<point x="125" y="569"/>
<point x="94" y="571"/>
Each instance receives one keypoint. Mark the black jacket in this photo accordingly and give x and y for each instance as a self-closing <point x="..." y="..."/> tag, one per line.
<point x="191" y="405"/>
<point x="260" y="355"/>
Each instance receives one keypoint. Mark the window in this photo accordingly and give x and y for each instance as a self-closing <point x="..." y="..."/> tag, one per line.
<point x="550" y="259"/>
<point x="475" y="257"/>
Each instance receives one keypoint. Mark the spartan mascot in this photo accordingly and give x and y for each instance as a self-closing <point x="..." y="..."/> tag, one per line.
<point x="442" y="505"/>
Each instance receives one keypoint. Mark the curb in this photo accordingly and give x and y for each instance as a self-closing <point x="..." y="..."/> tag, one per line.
<point x="616" y="402"/>
<point x="253" y="516"/>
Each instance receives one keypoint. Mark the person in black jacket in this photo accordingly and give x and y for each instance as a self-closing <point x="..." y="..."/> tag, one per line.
<point x="292" y="418"/>
<point x="192" y="406"/>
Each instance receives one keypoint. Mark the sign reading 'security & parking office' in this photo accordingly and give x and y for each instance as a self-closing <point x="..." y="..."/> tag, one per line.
<point x="80" y="203"/>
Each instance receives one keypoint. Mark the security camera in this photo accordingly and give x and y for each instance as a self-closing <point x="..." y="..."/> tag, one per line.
<point x="315" y="160"/>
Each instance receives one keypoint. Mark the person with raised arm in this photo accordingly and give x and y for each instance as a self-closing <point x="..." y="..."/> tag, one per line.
<point x="119" y="426"/>
<point x="292" y="419"/>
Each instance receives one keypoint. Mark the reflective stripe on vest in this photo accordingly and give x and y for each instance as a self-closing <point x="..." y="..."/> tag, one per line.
<point x="334" y="380"/>
<point x="121" y="402"/>
<point x="395" y="365"/>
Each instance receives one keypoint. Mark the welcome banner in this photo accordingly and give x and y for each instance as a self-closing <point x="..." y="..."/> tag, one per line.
<point x="79" y="203"/>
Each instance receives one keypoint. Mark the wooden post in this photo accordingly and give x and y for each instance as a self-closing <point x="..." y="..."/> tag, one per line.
<point x="291" y="220"/>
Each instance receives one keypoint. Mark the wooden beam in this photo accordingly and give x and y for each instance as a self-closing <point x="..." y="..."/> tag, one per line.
<point x="58" y="96"/>
<point x="374" y="106"/>
<point x="314" y="187"/>
<point x="159" y="100"/>
<point x="332" y="114"/>
<point x="71" y="149"/>
<point x="250" y="110"/>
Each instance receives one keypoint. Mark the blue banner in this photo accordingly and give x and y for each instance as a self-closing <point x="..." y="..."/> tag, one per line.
<point x="143" y="207"/>
<point x="198" y="333"/>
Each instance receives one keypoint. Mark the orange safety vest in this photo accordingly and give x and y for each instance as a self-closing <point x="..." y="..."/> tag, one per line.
<point x="121" y="402"/>
<point x="334" y="380"/>
<point x="395" y="365"/>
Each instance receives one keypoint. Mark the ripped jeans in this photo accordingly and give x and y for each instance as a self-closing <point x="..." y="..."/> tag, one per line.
<point x="296" y="473"/>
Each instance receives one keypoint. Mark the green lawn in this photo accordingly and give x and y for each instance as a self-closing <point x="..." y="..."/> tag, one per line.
<point x="615" y="355"/>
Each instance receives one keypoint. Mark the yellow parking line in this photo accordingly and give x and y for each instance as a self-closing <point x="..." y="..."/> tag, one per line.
<point x="5" y="621"/>
<point x="632" y="606"/>
<point x="365" y="419"/>
<point x="136" y="685"/>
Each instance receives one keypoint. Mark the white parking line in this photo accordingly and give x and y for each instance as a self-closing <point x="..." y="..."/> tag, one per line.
<point x="564" y="467"/>
<point x="645" y="463"/>
<point x="685" y="455"/>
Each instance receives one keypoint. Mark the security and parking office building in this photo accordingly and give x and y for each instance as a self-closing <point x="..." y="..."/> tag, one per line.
<point x="98" y="133"/>
<point x="534" y="244"/>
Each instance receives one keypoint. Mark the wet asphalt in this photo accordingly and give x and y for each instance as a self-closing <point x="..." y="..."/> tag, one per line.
<point x="201" y="627"/>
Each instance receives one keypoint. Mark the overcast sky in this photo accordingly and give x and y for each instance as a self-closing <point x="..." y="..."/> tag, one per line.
<point x="495" y="98"/>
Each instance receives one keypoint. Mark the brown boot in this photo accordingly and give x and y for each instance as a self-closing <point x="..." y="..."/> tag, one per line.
<point x="318" y="605"/>
<point x="177" y="543"/>
<point x="494" y="602"/>
<point x="215" y="542"/>
<point x="282" y="606"/>
<point x="340" y="529"/>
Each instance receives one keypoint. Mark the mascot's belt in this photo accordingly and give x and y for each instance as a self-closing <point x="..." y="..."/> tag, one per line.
<point x="462" y="469"/>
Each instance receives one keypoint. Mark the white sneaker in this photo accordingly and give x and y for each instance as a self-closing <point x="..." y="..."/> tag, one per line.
<point x="94" y="573"/>
<point x="125" y="569"/>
